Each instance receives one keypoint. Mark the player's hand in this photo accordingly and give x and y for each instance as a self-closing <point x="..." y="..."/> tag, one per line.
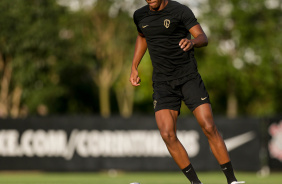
<point x="134" y="78"/>
<point x="186" y="44"/>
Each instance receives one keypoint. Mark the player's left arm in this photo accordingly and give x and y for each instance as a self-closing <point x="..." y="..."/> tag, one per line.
<point x="200" y="39"/>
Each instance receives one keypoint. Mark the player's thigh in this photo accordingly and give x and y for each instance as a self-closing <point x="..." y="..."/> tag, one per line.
<point x="203" y="114"/>
<point x="166" y="121"/>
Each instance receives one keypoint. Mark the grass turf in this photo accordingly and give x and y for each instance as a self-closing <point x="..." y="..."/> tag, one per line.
<point x="128" y="177"/>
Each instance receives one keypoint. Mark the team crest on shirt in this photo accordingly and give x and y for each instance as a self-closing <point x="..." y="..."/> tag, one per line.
<point x="167" y="23"/>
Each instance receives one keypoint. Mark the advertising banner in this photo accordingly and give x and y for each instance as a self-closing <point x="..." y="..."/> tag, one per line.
<point x="274" y="144"/>
<point x="134" y="144"/>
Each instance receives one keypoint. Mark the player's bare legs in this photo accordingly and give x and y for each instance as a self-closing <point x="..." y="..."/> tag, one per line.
<point x="203" y="114"/>
<point x="166" y="121"/>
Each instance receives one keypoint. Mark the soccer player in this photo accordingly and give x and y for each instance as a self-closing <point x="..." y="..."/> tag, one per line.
<point x="165" y="28"/>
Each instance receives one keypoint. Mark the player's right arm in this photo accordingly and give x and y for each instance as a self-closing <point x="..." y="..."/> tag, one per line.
<point x="140" y="49"/>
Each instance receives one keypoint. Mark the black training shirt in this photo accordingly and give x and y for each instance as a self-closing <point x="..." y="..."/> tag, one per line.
<point x="163" y="31"/>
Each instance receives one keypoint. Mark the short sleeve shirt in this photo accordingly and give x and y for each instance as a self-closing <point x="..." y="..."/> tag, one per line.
<point x="163" y="31"/>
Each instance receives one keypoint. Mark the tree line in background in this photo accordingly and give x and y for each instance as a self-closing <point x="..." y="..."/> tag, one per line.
<point x="55" y="61"/>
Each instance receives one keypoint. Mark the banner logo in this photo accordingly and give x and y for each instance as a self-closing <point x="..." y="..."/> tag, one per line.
<point x="275" y="144"/>
<point x="239" y="140"/>
<point x="93" y="143"/>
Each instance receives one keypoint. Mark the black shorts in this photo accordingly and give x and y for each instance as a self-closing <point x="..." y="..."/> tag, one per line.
<point x="169" y="94"/>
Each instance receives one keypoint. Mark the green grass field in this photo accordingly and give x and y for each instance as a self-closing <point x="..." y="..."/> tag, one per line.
<point x="128" y="177"/>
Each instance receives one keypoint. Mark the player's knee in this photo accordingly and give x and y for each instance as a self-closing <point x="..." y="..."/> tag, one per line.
<point x="210" y="130"/>
<point x="168" y="136"/>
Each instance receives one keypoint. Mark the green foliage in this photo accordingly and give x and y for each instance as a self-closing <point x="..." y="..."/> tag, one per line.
<point x="143" y="93"/>
<point x="54" y="53"/>
<point x="33" y="37"/>
<point x="243" y="55"/>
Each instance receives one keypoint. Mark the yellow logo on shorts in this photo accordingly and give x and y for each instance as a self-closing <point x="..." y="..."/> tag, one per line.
<point x="155" y="103"/>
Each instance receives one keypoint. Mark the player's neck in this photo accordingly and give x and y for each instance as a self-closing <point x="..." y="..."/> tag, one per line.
<point x="162" y="6"/>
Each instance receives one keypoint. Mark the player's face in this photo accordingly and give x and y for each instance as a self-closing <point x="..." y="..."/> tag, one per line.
<point x="154" y="4"/>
